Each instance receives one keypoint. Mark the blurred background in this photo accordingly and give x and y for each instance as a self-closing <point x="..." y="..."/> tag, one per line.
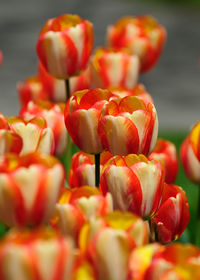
<point x="175" y="81"/>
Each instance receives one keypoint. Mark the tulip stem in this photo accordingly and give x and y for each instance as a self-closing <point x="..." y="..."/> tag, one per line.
<point x="197" y="235"/>
<point x="97" y="169"/>
<point x="67" y="85"/>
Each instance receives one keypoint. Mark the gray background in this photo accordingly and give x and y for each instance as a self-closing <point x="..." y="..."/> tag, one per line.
<point x="174" y="83"/>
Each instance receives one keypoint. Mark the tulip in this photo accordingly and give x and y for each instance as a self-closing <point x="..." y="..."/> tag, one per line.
<point x="65" y="45"/>
<point x="31" y="89"/>
<point x="135" y="183"/>
<point x="139" y="90"/>
<point x="82" y="171"/>
<point x="128" y="125"/>
<point x="29" y="188"/>
<point x="54" y="116"/>
<point x="84" y="271"/>
<point x="165" y="151"/>
<point x="40" y="254"/>
<point x="173" y="216"/>
<point x="114" y="68"/>
<point x="142" y="35"/>
<point x="1" y="57"/>
<point x="35" y="134"/>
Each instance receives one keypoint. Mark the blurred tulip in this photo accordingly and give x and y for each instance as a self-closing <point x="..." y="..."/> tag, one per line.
<point x="35" y="134"/>
<point x="82" y="114"/>
<point x="173" y="216"/>
<point x="135" y="183"/>
<point x="54" y="116"/>
<point x="142" y="35"/>
<point x="1" y="57"/>
<point x="139" y="90"/>
<point x="31" y="89"/>
<point x="84" y="271"/>
<point x="65" y="44"/>
<point x="40" y="254"/>
<point x="128" y="125"/>
<point x="82" y="171"/>
<point x="29" y="188"/>
<point x="190" y="154"/>
<point x="165" y="151"/>
<point x="114" y="68"/>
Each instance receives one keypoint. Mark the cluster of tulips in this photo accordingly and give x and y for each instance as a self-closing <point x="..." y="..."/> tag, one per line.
<point x="108" y="212"/>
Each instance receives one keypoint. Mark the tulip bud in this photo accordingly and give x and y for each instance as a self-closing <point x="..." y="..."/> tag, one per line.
<point x="65" y="45"/>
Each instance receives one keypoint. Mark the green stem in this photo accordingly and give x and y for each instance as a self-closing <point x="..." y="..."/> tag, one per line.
<point x="97" y="169"/>
<point x="67" y="86"/>
<point x="197" y="234"/>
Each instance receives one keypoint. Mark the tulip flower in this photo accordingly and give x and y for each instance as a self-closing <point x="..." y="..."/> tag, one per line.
<point x="173" y="216"/>
<point x="65" y="45"/>
<point x="114" y="68"/>
<point x="1" y="57"/>
<point x="139" y="90"/>
<point x="39" y="254"/>
<point x="82" y="171"/>
<point x="54" y="116"/>
<point x="84" y="271"/>
<point x="31" y="89"/>
<point x="165" y="151"/>
<point x="30" y="186"/>
<point x="190" y="154"/>
<point x="128" y="125"/>
<point x="142" y="35"/>
<point x="35" y="134"/>
<point x="135" y="183"/>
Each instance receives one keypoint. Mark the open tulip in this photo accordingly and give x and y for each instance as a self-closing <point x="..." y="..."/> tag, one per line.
<point x="128" y="125"/>
<point x="141" y="35"/>
<point x="165" y="151"/>
<point x="190" y="154"/>
<point x="39" y="254"/>
<point x="135" y="183"/>
<point x="29" y="188"/>
<point x="54" y="116"/>
<point x="35" y="134"/>
<point x="173" y="215"/>
<point x="114" y="68"/>
<point x="65" y="44"/>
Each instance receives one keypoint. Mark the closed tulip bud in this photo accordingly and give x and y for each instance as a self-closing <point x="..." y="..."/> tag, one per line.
<point x="40" y="254"/>
<point x="114" y="68"/>
<point x="128" y="125"/>
<point x="82" y="114"/>
<point x="82" y="171"/>
<point x="29" y="188"/>
<point x="65" y="44"/>
<point x="165" y="151"/>
<point x="35" y="134"/>
<point x="173" y="216"/>
<point x="31" y="89"/>
<point x="190" y="154"/>
<point x="135" y="183"/>
<point x="54" y="116"/>
<point x="142" y="35"/>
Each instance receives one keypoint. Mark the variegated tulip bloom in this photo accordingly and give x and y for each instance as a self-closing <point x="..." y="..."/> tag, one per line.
<point x="142" y="35"/>
<point x="35" y="134"/>
<point x="128" y="125"/>
<point x="10" y="142"/>
<point x="82" y="114"/>
<point x="31" y="89"/>
<point x="139" y="90"/>
<point x="64" y="45"/>
<point x="165" y="151"/>
<point x="56" y="88"/>
<point x="77" y="206"/>
<point x="136" y="184"/>
<point x="111" y="67"/>
<point x="108" y="242"/>
<point x="173" y="215"/>
<point x="190" y="154"/>
<point x="173" y="262"/>
<point x="82" y="171"/>
<point x="54" y="116"/>
<point x="39" y="254"/>
<point x="29" y="188"/>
